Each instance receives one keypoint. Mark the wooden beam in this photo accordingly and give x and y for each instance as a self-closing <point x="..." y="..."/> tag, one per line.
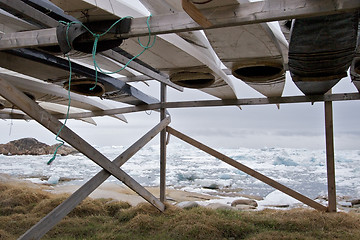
<point x="163" y="147"/>
<point x="34" y="38"/>
<point x="142" y="69"/>
<point x="32" y="109"/>
<point x="246" y="13"/>
<point x="50" y="220"/>
<point x="330" y="156"/>
<point x="219" y="103"/>
<point x="195" y="14"/>
<point x="26" y="12"/>
<point x="248" y="170"/>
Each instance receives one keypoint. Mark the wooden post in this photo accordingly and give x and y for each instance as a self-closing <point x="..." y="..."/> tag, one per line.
<point x="248" y="170"/>
<point x="50" y="220"/>
<point x="163" y="147"/>
<point x="330" y="156"/>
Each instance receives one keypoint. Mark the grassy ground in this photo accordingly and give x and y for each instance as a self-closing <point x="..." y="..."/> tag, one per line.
<point x="20" y="208"/>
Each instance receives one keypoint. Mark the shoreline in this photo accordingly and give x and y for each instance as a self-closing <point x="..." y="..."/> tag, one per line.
<point x="181" y="197"/>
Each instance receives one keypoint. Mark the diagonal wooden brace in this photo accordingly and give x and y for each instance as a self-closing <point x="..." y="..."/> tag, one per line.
<point x="195" y="14"/>
<point x="50" y="220"/>
<point x="248" y="170"/>
<point x="28" y="106"/>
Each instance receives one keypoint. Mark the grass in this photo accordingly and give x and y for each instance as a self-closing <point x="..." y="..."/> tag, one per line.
<point x="20" y="208"/>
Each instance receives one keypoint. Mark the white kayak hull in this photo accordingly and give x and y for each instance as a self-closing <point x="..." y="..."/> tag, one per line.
<point x="170" y="54"/>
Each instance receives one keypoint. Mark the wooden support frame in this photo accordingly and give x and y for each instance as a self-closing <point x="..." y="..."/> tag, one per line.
<point x="247" y="170"/>
<point x="49" y="221"/>
<point x="28" y="106"/>
<point x="247" y="13"/>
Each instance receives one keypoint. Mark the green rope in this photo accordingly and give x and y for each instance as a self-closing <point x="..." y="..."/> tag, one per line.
<point x="96" y="66"/>
<point x="145" y="47"/>
<point x="67" y="116"/>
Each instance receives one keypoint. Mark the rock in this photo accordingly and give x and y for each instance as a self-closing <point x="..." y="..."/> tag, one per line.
<point x="187" y="205"/>
<point x="212" y="186"/>
<point x="244" y="202"/>
<point x="63" y="150"/>
<point x="258" y="198"/>
<point x="355" y="202"/>
<point x="217" y="206"/>
<point x="242" y="207"/>
<point x="31" y="146"/>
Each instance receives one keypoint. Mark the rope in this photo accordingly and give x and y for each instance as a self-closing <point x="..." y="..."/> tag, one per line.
<point x="96" y="66"/>
<point x="67" y="115"/>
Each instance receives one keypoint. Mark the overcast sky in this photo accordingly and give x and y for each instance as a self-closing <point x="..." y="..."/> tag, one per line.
<point x="294" y="125"/>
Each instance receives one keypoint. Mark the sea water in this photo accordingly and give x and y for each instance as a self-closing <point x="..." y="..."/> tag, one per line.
<point x="193" y="170"/>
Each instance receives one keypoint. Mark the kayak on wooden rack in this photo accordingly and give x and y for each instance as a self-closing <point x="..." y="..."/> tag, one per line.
<point x="188" y="63"/>
<point x="321" y="51"/>
<point x="255" y="53"/>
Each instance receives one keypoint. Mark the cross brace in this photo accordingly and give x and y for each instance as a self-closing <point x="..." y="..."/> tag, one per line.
<point x="28" y="106"/>
<point x="49" y="221"/>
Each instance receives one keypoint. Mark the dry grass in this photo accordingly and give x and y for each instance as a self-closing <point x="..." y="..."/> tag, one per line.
<point x="20" y="208"/>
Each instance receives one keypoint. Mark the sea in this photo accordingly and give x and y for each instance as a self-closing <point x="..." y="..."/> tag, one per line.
<point x="193" y="170"/>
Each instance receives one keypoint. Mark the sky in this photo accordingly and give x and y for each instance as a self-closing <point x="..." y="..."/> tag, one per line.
<point x="298" y="125"/>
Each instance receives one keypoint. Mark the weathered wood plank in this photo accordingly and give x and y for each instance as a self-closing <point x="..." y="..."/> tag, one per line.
<point x="28" y="13"/>
<point x="163" y="97"/>
<point x="34" y="38"/>
<point x="50" y="220"/>
<point x="32" y="109"/>
<point x="219" y="103"/>
<point x="195" y="14"/>
<point x="248" y="170"/>
<point x="330" y="156"/>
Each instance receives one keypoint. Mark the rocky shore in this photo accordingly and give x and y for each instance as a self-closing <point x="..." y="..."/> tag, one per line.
<point x="31" y="146"/>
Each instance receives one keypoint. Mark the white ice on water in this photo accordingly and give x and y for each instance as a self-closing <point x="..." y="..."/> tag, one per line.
<point x="191" y="169"/>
